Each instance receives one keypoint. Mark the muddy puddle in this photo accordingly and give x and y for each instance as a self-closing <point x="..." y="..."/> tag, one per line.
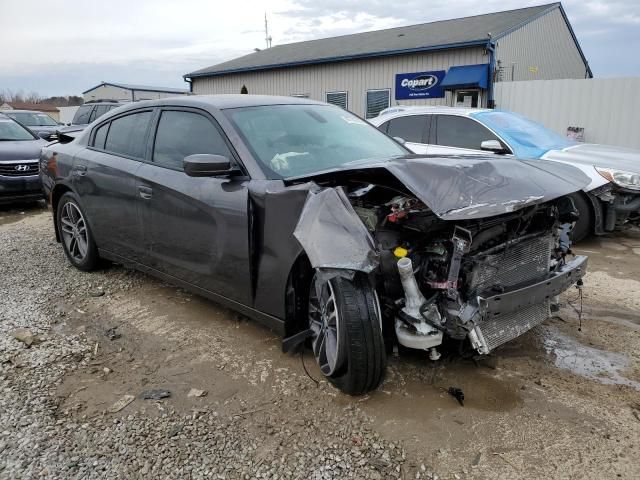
<point x="14" y="213"/>
<point x="588" y="362"/>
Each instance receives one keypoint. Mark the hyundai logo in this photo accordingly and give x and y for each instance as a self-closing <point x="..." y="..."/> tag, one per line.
<point x="421" y="82"/>
<point x="22" y="168"/>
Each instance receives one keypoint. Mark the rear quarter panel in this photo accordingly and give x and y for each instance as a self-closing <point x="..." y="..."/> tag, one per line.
<point x="56" y="163"/>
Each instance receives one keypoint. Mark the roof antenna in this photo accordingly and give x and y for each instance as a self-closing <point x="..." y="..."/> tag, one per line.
<point x="267" y="37"/>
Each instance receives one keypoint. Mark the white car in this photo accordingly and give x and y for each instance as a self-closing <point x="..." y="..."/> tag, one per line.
<point x="611" y="200"/>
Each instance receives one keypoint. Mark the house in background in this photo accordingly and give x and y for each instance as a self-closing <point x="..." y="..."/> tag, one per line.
<point x="451" y="62"/>
<point x="129" y="93"/>
<point x="50" y="110"/>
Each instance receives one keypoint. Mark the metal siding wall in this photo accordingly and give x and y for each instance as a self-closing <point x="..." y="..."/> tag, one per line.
<point x="607" y="108"/>
<point x="545" y="43"/>
<point x="107" y="92"/>
<point x="355" y="77"/>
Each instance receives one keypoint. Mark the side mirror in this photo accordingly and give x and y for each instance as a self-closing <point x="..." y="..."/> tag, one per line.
<point x="206" y="165"/>
<point x="400" y="140"/>
<point x="44" y="135"/>
<point x="492" y="146"/>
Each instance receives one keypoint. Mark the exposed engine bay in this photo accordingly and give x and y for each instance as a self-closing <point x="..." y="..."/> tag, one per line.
<point x="487" y="280"/>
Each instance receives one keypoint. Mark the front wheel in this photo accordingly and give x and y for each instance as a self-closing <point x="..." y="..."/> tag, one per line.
<point x="77" y="240"/>
<point x="584" y="226"/>
<point x="344" y="316"/>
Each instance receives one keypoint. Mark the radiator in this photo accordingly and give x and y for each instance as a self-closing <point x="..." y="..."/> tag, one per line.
<point x="511" y="263"/>
<point x="507" y="265"/>
<point x="504" y="328"/>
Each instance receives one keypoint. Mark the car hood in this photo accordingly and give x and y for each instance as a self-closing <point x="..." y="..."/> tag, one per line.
<point x="468" y="187"/>
<point x="21" y="150"/>
<point x="591" y="154"/>
<point x="44" y="128"/>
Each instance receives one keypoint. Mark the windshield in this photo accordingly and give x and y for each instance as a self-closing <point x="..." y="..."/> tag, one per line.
<point x="33" y="119"/>
<point x="12" y="131"/>
<point x="527" y="138"/>
<point x="296" y="140"/>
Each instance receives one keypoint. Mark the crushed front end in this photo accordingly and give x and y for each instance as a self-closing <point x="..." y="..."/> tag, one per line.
<point x="488" y="280"/>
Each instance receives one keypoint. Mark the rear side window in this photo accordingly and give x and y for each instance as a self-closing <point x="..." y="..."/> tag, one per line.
<point x="100" y="136"/>
<point x="384" y="127"/>
<point x="82" y="115"/>
<point x="461" y="132"/>
<point x="181" y="134"/>
<point x="412" y="128"/>
<point x="127" y="135"/>
<point x="99" y="111"/>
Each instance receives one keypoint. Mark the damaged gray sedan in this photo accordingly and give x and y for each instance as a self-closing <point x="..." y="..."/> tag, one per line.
<point x="308" y="219"/>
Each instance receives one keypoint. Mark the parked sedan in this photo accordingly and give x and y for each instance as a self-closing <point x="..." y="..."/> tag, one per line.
<point x="38" y="122"/>
<point x="87" y="113"/>
<point x="19" y="153"/>
<point x="308" y="219"/>
<point x="609" y="201"/>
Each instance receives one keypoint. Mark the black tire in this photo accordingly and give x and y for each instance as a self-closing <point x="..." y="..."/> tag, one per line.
<point x="584" y="226"/>
<point x="361" y="344"/>
<point x="90" y="260"/>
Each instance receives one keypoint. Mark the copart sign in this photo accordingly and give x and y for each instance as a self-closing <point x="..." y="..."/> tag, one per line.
<point x="419" y="85"/>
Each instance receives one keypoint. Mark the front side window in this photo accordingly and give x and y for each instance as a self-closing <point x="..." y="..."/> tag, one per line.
<point x="181" y="134"/>
<point x="377" y="100"/>
<point x="296" y="140"/>
<point x="339" y="99"/>
<point x="11" y="131"/>
<point x="127" y="135"/>
<point x="412" y="128"/>
<point x="82" y="115"/>
<point x="461" y="132"/>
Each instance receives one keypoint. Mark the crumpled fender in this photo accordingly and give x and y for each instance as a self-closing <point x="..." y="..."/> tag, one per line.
<point x="332" y="234"/>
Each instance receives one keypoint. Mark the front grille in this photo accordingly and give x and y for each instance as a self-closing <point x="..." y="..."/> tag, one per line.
<point x="510" y="264"/>
<point x="503" y="328"/>
<point x="18" y="169"/>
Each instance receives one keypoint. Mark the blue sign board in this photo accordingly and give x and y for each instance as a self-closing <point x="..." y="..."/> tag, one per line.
<point x="410" y="86"/>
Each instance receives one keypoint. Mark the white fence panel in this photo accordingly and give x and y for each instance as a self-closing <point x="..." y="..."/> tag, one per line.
<point x="607" y="108"/>
<point x="67" y="113"/>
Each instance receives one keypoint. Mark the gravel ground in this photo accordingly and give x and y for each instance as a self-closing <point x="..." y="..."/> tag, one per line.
<point x="529" y="412"/>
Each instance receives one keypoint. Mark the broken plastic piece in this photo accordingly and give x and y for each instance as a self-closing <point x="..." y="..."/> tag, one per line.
<point x="458" y="394"/>
<point x="157" y="394"/>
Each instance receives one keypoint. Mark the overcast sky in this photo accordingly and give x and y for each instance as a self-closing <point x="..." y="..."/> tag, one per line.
<point x="68" y="46"/>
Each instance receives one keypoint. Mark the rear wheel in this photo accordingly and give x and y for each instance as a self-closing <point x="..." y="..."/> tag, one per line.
<point x="344" y="316"/>
<point x="584" y="226"/>
<point x="77" y="240"/>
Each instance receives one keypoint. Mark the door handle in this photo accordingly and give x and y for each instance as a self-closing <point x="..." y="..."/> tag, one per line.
<point x="145" y="192"/>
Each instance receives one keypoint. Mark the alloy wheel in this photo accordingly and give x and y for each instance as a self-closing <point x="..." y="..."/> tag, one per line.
<point x="324" y="321"/>
<point x="74" y="231"/>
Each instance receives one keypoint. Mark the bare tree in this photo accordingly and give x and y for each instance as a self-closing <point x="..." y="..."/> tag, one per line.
<point x="33" y="97"/>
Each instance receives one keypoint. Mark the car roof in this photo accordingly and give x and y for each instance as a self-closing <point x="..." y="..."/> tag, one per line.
<point x="400" y="110"/>
<point x="225" y="101"/>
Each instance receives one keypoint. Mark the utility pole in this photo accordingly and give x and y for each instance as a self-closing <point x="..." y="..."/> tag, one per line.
<point x="267" y="37"/>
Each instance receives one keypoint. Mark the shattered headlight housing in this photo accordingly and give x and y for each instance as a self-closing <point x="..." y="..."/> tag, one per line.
<point x="620" y="177"/>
